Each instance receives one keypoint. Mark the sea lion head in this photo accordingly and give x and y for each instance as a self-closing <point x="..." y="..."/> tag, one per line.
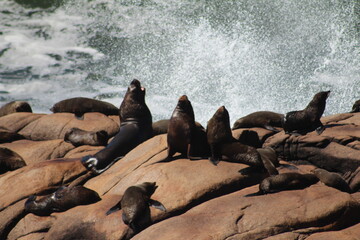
<point x="322" y="96"/>
<point x="222" y="114"/>
<point x="184" y="105"/>
<point x="136" y="90"/>
<point x="148" y="187"/>
<point x="356" y="107"/>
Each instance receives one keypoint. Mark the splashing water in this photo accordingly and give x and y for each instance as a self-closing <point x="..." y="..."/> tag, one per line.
<point x="246" y="55"/>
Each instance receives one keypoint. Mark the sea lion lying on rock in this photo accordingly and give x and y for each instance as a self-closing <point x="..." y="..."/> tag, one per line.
<point x="263" y="119"/>
<point x="13" y="107"/>
<point x="10" y="160"/>
<point x="79" y="137"/>
<point x="135" y="206"/>
<point x="61" y="200"/>
<point x="81" y="105"/>
<point x="7" y="136"/>
<point x="307" y="120"/>
<point x="135" y="128"/>
<point x="286" y="181"/>
<point x="332" y="179"/>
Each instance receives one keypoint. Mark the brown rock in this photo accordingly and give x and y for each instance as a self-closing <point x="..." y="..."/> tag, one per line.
<point x="38" y="151"/>
<point x="37" y="178"/>
<point x="54" y="126"/>
<point x="17" y="121"/>
<point x="237" y="217"/>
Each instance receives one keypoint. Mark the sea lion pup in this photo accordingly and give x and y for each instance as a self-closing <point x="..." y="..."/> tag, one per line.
<point x="7" y="136"/>
<point x="263" y="119"/>
<point x="78" y="137"/>
<point x="81" y="105"/>
<point x="63" y="199"/>
<point x="222" y="142"/>
<point x="135" y="206"/>
<point x="10" y="160"/>
<point x="307" y="120"/>
<point x="331" y="179"/>
<point x="356" y="107"/>
<point x="181" y="128"/>
<point x="135" y="128"/>
<point x="286" y="181"/>
<point x="15" y="106"/>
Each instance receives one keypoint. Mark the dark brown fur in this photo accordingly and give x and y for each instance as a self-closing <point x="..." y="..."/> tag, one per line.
<point x="7" y="136"/>
<point x="286" y="181"/>
<point x="135" y="206"/>
<point x="356" y="107"/>
<point x="135" y="128"/>
<point x="332" y="179"/>
<point x="263" y="119"/>
<point x="61" y="200"/>
<point x="10" y="160"/>
<point x="81" y="105"/>
<point x="13" y="107"/>
<point x="307" y="120"/>
<point x="181" y="128"/>
<point x="79" y="137"/>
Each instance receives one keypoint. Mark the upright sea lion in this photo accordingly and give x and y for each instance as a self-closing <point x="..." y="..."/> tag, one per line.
<point x="286" y="181"/>
<point x="356" y="107"/>
<point x="221" y="142"/>
<point x="181" y="130"/>
<point x="78" y="137"/>
<point x="307" y="120"/>
<point x="13" y="107"/>
<point x="10" y="160"/>
<point x="332" y="179"/>
<point x="61" y="200"/>
<point x="135" y="206"/>
<point x="81" y="105"/>
<point x="135" y="128"/>
<point x="263" y="119"/>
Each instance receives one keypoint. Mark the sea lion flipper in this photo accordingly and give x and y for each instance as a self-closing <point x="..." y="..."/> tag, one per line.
<point x="271" y="128"/>
<point x="157" y="205"/>
<point x="214" y="160"/>
<point x="320" y="129"/>
<point x="115" y="208"/>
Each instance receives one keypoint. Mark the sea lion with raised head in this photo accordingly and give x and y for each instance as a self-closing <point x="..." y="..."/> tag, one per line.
<point x="286" y="181"/>
<point x="307" y="120"/>
<point x="81" y="105"/>
<point x="79" y="137"/>
<point x="181" y="129"/>
<point x="222" y="142"/>
<point x="10" y="160"/>
<point x="63" y="199"/>
<point x="263" y="119"/>
<point x="135" y="206"/>
<point x="356" y="107"/>
<point x="15" y="106"/>
<point x="332" y="179"/>
<point x="135" y="128"/>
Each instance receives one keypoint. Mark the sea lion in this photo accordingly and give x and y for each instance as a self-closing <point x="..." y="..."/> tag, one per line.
<point x="263" y="119"/>
<point x="61" y="200"/>
<point x="222" y="142"/>
<point x="353" y="179"/>
<point x="181" y="128"/>
<point x="135" y="128"/>
<point x="78" y="137"/>
<point x="356" y="107"/>
<point x="15" y="106"/>
<point x="135" y="206"/>
<point x="160" y="127"/>
<point x="7" y="136"/>
<point x="307" y="120"/>
<point x="286" y="181"/>
<point x="81" y="105"/>
<point x="331" y="179"/>
<point x="10" y="160"/>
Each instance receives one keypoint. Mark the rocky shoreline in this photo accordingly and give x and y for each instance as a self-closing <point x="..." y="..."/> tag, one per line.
<point x="203" y="201"/>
